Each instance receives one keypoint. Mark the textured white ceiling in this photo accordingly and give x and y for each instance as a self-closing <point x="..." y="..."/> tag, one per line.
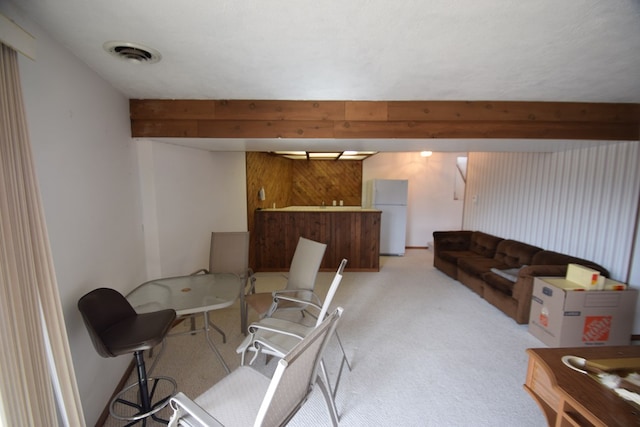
<point x="548" y="50"/>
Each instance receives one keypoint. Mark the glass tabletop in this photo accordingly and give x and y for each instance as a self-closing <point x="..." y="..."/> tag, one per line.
<point x="187" y="294"/>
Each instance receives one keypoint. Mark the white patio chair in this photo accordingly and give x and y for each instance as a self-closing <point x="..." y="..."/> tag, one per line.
<point x="229" y="253"/>
<point x="301" y="281"/>
<point x="275" y="337"/>
<point x="246" y="397"/>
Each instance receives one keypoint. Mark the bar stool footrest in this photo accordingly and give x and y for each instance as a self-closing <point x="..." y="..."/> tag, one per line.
<point x="129" y="398"/>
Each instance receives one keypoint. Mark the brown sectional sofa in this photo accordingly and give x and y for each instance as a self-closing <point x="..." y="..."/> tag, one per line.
<point x="510" y="254"/>
<point x="450" y="246"/>
<point x="499" y="270"/>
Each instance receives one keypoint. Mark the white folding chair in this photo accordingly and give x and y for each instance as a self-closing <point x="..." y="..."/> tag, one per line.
<point x="301" y="280"/>
<point x="275" y="337"/>
<point x="246" y="397"/>
<point x="229" y="253"/>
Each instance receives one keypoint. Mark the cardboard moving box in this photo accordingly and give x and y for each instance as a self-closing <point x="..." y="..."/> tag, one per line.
<point x="565" y="315"/>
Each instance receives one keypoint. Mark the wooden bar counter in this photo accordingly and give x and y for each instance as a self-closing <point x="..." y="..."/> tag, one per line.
<point x="349" y="232"/>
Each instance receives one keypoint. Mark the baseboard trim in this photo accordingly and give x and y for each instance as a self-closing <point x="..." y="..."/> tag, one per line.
<point x="123" y="382"/>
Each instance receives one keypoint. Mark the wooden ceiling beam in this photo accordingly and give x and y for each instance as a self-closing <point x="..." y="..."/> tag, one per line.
<point x="384" y="119"/>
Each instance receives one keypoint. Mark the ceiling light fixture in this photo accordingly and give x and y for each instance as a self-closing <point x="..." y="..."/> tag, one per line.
<point x="426" y="153"/>
<point x="321" y="155"/>
<point x="132" y="52"/>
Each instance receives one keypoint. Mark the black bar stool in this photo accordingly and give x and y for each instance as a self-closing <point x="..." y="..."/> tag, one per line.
<point x="115" y="329"/>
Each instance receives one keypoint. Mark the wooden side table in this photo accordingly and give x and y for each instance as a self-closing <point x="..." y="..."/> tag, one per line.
<point x="571" y="398"/>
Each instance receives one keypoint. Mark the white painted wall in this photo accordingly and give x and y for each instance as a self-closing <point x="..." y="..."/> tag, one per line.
<point x="431" y="205"/>
<point x="91" y="173"/>
<point x="191" y="192"/>
<point x="87" y="170"/>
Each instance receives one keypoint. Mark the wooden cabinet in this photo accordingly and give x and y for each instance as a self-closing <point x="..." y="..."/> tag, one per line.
<point x="354" y="235"/>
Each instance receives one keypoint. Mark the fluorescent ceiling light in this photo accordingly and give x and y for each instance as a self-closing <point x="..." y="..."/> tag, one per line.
<point x="329" y="155"/>
<point x="324" y="155"/>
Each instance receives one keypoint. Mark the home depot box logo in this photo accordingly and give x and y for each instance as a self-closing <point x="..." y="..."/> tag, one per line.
<point x="596" y="328"/>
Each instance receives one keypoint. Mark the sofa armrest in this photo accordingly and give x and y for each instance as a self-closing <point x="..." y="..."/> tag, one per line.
<point x="524" y="286"/>
<point x="459" y="240"/>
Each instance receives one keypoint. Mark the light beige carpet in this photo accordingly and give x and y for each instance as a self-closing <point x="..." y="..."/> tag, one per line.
<point x="425" y="351"/>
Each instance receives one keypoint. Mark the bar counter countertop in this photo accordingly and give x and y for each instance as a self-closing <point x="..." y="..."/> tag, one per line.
<point x="321" y="209"/>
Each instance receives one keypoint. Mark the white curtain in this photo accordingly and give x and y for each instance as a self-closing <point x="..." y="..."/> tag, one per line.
<point x="28" y="288"/>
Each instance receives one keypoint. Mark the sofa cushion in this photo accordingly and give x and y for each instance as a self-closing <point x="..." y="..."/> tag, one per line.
<point x="451" y="240"/>
<point x="509" y="254"/>
<point x="484" y="244"/>
<point x="477" y="266"/>
<point x="515" y="254"/>
<point x="498" y="282"/>
<point x="556" y="258"/>
<point x="454" y="256"/>
<point x="551" y="258"/>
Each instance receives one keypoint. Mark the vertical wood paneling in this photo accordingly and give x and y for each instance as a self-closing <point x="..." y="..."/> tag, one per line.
<point x="352" y="235"/>
<point x="580" y="202"/>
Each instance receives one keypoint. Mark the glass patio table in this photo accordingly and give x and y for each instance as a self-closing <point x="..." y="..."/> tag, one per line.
<point x="189" y="296"/>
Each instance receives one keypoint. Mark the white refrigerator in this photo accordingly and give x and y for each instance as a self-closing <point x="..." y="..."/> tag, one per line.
<point x="390" y="196"/>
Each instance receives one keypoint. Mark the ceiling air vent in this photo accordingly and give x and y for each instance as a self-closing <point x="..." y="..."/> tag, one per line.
<point x="132" y="52"/>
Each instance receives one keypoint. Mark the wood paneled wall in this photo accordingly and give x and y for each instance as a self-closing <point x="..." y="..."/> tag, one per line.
<point x="383" y="119"/>
<point x="353" y="235"/>
<point x="272" y="173"/>
<point x="299" y="183"/>
<point x="317" y="181"/>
